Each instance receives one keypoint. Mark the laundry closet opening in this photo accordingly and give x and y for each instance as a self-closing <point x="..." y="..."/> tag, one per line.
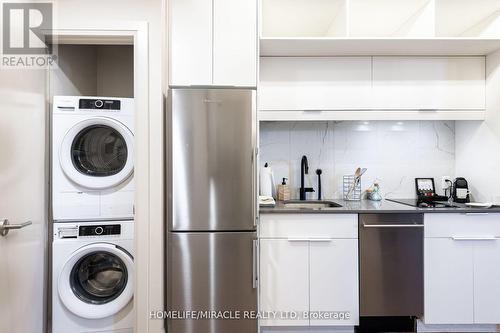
<point x="92" y="139"/>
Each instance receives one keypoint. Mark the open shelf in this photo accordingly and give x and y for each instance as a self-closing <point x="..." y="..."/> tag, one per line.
<point x="467" y="18"/>
<point x="377" y="46"/>
<point x="391" y="18"/>
<point x="304" y="18"/>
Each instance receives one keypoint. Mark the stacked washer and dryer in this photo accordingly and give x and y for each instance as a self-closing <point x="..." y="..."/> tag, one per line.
<point x="93" y="214"/>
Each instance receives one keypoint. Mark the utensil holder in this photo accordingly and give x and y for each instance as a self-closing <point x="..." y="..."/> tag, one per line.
<point x="351" y="188"/>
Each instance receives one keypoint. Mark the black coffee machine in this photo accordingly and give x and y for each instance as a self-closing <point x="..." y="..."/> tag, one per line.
<point x="461" y="190"/>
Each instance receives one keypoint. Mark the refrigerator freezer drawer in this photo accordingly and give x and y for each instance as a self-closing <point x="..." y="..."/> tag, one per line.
<point x="212" y="159"/>
<point x="212" y="271"/>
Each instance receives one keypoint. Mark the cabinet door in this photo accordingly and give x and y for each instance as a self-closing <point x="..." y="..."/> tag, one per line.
<point x="190" y="42"/>
<point x="235" y="43"/>
<point x="487" y="282"/>
<point x="445" y="83"/>
<point x="319" y="83"/>
<point x="284" y="279"/>
<point x="334" y="280"/>
<point x="448" y="281"/>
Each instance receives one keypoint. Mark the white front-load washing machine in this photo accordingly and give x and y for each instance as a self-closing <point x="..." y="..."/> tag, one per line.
<point x="92" y="158"/>
<point x="93" y="277"/>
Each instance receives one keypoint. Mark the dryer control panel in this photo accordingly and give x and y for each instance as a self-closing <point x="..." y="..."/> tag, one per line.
<point x="100" y="104"/>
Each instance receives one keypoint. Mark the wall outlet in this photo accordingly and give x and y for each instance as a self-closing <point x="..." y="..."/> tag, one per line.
<point x="444" y="182"/>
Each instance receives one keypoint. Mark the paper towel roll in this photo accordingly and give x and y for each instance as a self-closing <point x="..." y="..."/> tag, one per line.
<point x="267" y="187"/>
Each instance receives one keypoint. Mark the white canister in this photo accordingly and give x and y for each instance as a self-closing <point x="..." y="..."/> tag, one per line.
<point x="266" y="181"/>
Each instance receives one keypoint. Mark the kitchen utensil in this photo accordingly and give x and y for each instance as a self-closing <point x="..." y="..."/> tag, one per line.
<point x="319" y="172"/>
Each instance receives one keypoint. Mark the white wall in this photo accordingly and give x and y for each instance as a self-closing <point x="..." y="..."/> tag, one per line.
<point x="93" y="70"/>
<point x="478" y="143"/>
<point x="115" y="70"/>
<point x="395" y="153"/>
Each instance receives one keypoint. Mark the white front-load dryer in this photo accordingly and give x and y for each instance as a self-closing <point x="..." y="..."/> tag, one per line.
<point x="92" y="158"/>
<point x="93" y="277"/>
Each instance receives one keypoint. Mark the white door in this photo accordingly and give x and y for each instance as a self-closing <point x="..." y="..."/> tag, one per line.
<point x="487" y="282"/>
<point x="284" y="279"/>
<point x="190" y="42"/>
<point x="235" y="43"/>
<point x="23" y="197"/>
<point x="448" y="281"/>
<point x="334" y="280"/>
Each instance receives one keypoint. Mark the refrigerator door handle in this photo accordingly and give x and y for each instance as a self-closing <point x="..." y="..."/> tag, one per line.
<point x="255" y="268"/>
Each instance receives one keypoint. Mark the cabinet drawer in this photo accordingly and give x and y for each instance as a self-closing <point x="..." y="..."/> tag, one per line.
<point x="462" y="225"/>
<point x="309" y="226"/>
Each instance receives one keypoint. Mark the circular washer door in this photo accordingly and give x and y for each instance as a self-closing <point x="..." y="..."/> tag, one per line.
<point x="98" y="153"/>
<point x="97" y="281"/>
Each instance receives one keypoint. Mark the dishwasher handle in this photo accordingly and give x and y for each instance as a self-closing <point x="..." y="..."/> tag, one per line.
<point x="392" y="225"/>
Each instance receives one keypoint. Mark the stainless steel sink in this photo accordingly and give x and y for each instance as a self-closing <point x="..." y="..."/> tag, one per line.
<point x="310" y="204"/>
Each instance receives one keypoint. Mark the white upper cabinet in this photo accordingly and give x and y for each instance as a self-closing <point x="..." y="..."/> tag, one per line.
<point x="371" y="88"/>
<point x="235" y="43"/>
<point x="213" y="43"/>
<point x="423" y="83"/>
<point x="296" y="83"/>
<point x="190" y="42"/>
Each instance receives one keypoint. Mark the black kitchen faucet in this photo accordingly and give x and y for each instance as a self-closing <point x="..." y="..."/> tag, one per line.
<point x="304" y="170"/>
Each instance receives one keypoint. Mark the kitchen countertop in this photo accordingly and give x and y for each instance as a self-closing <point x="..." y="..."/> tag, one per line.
<point x="367" y="206"/>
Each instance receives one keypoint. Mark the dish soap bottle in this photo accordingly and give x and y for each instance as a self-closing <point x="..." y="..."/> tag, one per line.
<point x="283" y="191"/>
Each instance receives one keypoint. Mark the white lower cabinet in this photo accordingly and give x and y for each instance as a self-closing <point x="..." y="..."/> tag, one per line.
<point x="334" y="280"/>
<point x="449" y="290"/>
<point x="487" y="282"/>
<point x="284" y="280"/>
<point x="310" y="272"/>
<point x="462" y="269"/>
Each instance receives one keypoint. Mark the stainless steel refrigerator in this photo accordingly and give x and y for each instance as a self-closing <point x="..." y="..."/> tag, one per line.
<point x="211" y="210"/>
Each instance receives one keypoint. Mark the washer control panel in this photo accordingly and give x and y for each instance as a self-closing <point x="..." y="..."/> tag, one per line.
<point x="99" y="104"/>
<point x="99" y="230"/>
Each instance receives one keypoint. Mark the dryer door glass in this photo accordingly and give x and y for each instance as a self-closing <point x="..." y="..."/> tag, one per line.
<point x="99" y="277"/>
<point x="99" y="151"/>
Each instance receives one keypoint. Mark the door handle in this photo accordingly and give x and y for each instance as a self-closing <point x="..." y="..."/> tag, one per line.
<point x="255" y="253"/>
<point x="309" y="240"/>
<point x="474" y="238"/>
<point x="393" y="225"/>
<point x="5" y="226"/>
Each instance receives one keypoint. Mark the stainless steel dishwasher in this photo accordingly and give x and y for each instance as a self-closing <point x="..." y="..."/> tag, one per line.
<point x="391" y="264"/>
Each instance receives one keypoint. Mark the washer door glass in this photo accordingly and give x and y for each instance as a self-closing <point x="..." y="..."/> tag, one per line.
<point x="98" y="277"/>
<point x="99" y="151"/>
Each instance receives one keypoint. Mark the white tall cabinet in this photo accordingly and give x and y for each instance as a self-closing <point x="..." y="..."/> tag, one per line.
<point x="213" y="42"/>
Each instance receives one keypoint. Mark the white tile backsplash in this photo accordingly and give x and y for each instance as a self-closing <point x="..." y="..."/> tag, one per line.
<point x="394" y="152"/>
